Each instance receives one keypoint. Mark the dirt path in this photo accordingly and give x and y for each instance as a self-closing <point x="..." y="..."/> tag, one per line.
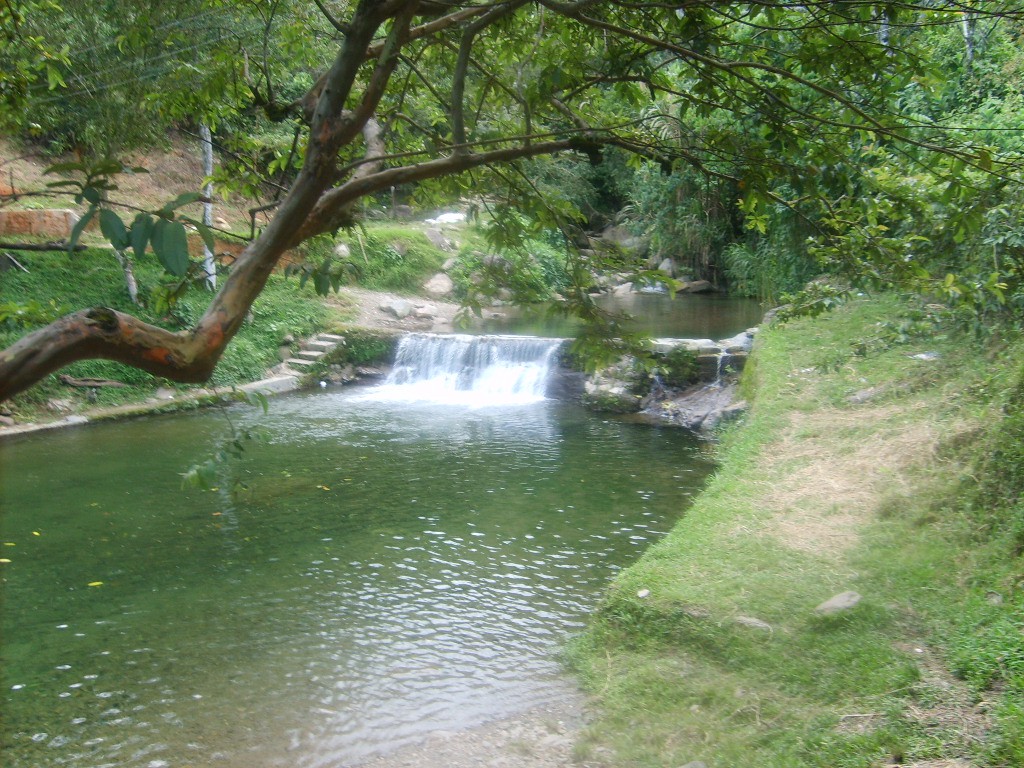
<point x="427" y="315"/>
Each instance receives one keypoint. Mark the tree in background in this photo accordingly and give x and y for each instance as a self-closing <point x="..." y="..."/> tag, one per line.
<point x="798" y="107"/>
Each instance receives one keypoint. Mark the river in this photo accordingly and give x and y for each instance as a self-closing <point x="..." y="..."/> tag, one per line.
<point x="394" y="568"/>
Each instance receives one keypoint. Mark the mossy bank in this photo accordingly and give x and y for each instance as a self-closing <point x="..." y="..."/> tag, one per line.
<point x="870" y="463"/>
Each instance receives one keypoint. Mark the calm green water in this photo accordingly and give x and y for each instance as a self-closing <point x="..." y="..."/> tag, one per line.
<point x="395" y="569"/>
<point x="701" y="316"/>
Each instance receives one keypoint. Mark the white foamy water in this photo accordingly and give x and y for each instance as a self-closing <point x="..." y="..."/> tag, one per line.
<point x="473" y="371"/>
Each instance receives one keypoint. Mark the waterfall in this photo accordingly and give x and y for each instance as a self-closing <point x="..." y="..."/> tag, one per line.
<point x="470" y="370"/>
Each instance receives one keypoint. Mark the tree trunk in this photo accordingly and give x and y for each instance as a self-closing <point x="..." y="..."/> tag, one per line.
<point x="207" y="142"/>
<point x="129" y="276"/>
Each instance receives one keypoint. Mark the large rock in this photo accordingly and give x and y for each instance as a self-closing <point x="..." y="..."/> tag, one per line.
<point x="614" y="389"/>
<point x="697" y="286"/>
<point x="400" y="308"/>
<point x="425" y="312"/>
<point x="622" y="290"/>
<point x="438" y="240"/>
<point x="621" y="237"/>
<point x="439" y="286"/>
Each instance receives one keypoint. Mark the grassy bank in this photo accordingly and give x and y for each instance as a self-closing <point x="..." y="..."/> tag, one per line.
<point x="859" y="467"/>
<point x="56" y="282"/>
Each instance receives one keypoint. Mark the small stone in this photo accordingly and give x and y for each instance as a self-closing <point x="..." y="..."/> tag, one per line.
<point x="750" y="621"/>
<point x="643" y="593"/>
<point x="844" y="601"/>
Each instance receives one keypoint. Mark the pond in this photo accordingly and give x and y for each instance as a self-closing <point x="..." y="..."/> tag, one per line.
<point x="393" y="569"/>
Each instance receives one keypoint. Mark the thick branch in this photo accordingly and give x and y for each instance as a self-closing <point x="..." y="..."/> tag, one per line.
<point x="334" y="208"/>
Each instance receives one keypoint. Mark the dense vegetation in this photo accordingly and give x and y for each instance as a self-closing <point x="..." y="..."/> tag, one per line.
<point x="799" y="152"/>
<point x="757" y="145"/>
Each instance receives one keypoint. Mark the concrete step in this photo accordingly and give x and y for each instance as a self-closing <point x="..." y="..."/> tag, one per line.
<point x="310" y="354"/>
<point x="329" y="337"/>
<point x="301" y="362"/>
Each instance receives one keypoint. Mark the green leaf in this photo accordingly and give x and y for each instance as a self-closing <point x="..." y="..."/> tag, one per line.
<point x="180" y="200"/>
<point x="66" y="168"/>
<point x="140" y="233"/>
<point x="83" y="222"/>
<point x="204" y="232"/>
<point x="113" y="229"/>
<point x="92" y="194"/>
<point x="170" y="244"/>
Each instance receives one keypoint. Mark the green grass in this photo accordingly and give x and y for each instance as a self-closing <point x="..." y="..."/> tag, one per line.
<point x="59" y="283"/>
<point x="817" y="494"/>
<point x="392" y="257"/>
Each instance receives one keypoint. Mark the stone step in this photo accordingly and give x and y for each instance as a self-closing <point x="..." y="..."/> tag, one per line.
<point x="310" y="354"/>
<point x="301" y="362"/>
<point x="320" y="345"/>
<point x="330" y="337"/>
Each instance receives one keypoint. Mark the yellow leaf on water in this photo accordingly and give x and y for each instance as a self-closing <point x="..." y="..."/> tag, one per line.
<point x="95" y="583"/>
<point x="4" y="560"/>
<point x="36" y="533"/>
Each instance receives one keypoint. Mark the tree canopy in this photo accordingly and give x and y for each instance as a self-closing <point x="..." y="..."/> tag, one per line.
<point x="830" y="113"/>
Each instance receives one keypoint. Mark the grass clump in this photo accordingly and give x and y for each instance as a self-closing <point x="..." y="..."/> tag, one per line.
<point x="859" y="467"/>
<point x="391" y="257"/>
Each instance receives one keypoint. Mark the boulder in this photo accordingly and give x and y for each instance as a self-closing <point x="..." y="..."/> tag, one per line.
<point x="741" y="342"/>
<point x="400" y="308"/>
<point x="668" y="267"/>
<point x="621" y="237"/>
<point x="439" y="285"/>
<point x="425" y="312"/>
<point x="438" y="240"/>
<point x="623" y="289"/>
<point x="697" y="286"/>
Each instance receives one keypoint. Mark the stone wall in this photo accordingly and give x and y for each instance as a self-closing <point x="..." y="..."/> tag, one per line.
<point x="55" y="223"/>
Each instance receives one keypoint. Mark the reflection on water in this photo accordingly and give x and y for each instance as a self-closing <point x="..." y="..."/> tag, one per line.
<point x="700" y="316"/>
<point x="393" y="570"/>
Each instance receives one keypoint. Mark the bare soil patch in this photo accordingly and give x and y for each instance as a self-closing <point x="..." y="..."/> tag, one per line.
<point x="817" y="498"/>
